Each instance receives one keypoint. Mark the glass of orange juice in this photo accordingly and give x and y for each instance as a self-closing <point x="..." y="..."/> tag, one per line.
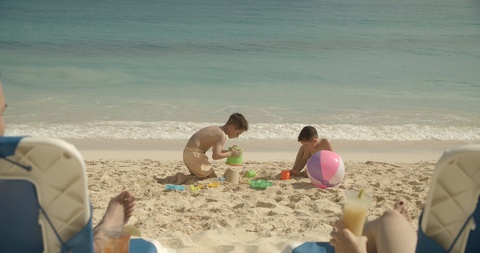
<point x="355" y="210"/>
<point x="116" y="240"/>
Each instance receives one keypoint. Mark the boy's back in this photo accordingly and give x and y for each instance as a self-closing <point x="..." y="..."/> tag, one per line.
<point x="207" y="137"/>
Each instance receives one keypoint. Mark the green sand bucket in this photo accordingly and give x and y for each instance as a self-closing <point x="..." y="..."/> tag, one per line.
<point x="234" y="160"/>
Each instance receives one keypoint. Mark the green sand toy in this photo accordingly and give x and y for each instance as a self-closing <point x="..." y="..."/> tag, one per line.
<point x="260" y="184"/>
<point x="251" y="174"/>
<point x="235" y="160"/>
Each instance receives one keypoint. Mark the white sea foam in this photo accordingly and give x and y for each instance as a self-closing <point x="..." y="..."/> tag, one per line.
<point x="175" y="130"/>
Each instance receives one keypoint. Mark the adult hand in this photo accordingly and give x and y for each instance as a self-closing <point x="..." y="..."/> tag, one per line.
<point x="345" y="241"/>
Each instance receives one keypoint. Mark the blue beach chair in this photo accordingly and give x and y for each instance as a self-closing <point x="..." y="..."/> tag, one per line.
<point x="450" y="221"/>
<point x="44" y="199"/>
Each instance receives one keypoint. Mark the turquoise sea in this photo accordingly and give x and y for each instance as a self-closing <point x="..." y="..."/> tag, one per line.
<point x="161" y="69"/>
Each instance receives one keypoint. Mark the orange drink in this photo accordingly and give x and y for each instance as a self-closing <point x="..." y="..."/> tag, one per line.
<point x="116" y="241"/>
<point x="355" y="210"/>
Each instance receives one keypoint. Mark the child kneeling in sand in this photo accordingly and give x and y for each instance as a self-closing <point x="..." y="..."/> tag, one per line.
<point x="210" y="137"/>
<point x="311" y="144"/>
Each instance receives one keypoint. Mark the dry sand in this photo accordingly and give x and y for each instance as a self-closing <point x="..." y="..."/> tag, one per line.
<point x="237" y="218"/>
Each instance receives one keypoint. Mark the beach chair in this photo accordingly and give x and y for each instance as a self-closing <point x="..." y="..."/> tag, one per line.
<point x="448" y="223"/>
<point x="451" y="214"/>
<point x="44" y="199"/>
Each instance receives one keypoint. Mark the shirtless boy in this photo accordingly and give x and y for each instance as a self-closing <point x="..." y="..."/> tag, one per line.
<point x="311" y="144"/>
<point x="194" y="154"/>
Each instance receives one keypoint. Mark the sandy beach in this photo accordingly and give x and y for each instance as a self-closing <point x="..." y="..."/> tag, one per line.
<point x="237" y="218"/>
<point x="392" y="85"/>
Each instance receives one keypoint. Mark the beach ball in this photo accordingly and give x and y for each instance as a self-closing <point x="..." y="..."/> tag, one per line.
<point x="325" y="169"/>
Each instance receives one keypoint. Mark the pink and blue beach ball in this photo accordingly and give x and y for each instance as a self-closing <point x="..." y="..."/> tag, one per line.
<point x="325" y="169"/>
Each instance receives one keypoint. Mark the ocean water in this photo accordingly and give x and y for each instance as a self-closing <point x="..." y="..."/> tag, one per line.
<point x="161" y="69"/>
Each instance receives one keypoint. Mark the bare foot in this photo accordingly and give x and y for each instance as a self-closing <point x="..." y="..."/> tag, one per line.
<point x="181" y="178"/>
<point x="119" y="210"/>
<point x="185" y="179"/>
<point x="169" y="180"/>
<point x="400" y="207"/>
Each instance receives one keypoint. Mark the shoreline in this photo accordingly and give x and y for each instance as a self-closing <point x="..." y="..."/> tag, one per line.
<point x="266" y="150"/>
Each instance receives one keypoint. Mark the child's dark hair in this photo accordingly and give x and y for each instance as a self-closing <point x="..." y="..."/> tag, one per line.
<point x="238" y="121"/>
<point x="308" y="133"/>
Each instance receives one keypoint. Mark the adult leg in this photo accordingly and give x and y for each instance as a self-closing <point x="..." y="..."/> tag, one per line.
<point x="119" y="210"/>
<point x="391" y="232"/>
